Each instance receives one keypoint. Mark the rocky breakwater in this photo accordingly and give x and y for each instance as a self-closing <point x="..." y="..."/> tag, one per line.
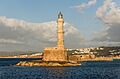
<point x="46" y="63"/>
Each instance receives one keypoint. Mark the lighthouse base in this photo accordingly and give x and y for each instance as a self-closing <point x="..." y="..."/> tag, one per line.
<point x="52" y="57"/>
<point x="55" y="54"/>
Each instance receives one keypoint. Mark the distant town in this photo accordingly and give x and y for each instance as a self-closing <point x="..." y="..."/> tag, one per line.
<point x="97" y="51"/>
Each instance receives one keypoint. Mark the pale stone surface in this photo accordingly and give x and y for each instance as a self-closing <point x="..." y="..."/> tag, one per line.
<point x="59" y="53"/>
<point x="55" y="54"/>
<point x="60" y="31"/>
<point x="81" y="57"/>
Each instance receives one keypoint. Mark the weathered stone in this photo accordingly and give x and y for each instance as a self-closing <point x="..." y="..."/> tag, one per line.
<point x="43" y="63"/>
<point x="55" y="54"/>
<point x="81" y="57"/>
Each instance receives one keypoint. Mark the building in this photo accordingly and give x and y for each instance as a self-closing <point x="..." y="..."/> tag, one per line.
<point x="81" y="57"/>
<point x="58" y="53"/>
<point x="53" y="56"/>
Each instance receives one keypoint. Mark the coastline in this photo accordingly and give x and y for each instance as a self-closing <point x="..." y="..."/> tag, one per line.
<point x="94" y="59"/>
<point x="60" y="64"/>
<point x="100" y="59"/>
<point x="20" y="57"/>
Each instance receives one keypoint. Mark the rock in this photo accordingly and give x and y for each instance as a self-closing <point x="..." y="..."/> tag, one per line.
<point x="43" y="63"/>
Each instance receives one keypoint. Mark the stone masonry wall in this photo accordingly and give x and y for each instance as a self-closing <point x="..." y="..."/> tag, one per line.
<point x="54" y="54"/>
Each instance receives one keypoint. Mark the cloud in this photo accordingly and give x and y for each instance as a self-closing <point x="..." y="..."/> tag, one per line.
<point x="10" y="41"/>
<point x="109" y="14"/>
<point x="23" y="35"/>
<point x="101" y="43"/>
<point x="83" y="6"/>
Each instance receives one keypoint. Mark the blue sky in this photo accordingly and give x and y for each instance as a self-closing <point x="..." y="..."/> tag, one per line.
<point x="84" y="19"/>
<point x="47" y="10"/>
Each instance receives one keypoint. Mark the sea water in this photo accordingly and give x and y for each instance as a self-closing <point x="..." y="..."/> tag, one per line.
<point x="88" y="70"/>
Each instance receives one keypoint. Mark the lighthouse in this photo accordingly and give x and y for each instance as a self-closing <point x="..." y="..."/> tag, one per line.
<point x="54" y="56"/>
<point x="57" y="53"/>
<point x="60" y="31"/>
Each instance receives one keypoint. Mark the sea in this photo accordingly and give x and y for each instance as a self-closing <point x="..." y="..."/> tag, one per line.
<point x="88" y="70"/>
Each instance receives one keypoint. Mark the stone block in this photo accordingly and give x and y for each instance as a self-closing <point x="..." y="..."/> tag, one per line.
<point x="55" y="54"/>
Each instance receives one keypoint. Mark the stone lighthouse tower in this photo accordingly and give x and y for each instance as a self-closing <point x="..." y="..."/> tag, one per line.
<point x="58" y="53"/>
<point x="60" y="31"/>
<point x="54" y="56"/>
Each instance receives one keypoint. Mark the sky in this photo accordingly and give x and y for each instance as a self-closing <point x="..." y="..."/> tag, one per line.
<point x="31" y="24"/>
